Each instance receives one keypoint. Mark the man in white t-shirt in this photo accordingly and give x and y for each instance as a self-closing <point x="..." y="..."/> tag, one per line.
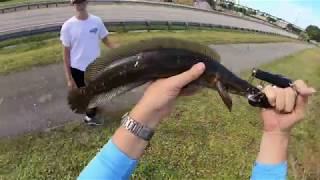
<point x="81" y="36"/>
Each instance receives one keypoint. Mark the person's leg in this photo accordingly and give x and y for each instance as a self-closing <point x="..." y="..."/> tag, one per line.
<point x="78" y="77"/>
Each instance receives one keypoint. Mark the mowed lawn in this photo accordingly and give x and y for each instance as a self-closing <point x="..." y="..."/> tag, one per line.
<point x="200" y="140"/>
<point x="21" y="54"/>
<point x="4" y="3"/>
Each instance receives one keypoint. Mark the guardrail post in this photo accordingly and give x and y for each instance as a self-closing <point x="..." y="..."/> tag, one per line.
<point x="169" y="25"/>
<point x="123" y="26"/>
<point x="148" y="26"/>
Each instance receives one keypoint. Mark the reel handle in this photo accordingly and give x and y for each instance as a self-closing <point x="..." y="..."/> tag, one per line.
<point x="260" y="101"/>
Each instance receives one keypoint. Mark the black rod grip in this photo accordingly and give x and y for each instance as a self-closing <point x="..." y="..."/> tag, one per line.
<point x="275" y="79"/>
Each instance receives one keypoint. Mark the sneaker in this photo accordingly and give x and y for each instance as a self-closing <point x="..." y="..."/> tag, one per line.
<point x="92" y="121"/>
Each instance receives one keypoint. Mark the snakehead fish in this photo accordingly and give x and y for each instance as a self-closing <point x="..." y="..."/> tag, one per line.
<point x="132" y="65"/>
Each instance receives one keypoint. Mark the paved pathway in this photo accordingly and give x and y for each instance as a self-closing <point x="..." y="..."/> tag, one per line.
<point x="36" y="99"/>
<point x="127" y="12"/>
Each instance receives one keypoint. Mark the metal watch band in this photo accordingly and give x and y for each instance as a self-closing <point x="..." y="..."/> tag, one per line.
<point x="136" y="128"/>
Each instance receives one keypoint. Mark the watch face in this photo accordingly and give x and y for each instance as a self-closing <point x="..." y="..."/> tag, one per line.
<point x="144" y="133"/>
<point x="136" y="128"/>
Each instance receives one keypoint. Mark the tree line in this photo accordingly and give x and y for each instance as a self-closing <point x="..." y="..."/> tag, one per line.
<point x="313" y="32"/>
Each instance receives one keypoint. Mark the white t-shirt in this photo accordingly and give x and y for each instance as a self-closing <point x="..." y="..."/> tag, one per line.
<point x="83" y="37"/>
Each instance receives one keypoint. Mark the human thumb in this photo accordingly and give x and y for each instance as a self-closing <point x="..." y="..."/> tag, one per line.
<point x="188" y="76"/>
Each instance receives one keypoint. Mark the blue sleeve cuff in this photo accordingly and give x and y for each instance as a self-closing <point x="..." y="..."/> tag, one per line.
<point x="109" y="163"/>
<point x="269" y="171"/>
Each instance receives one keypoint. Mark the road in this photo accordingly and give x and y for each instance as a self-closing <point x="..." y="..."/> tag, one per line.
<point x="126" y="12"/>
<point x="36" y="99"/>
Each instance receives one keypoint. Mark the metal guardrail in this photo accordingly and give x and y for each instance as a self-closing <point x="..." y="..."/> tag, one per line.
<point x="127" y="26"/>
<point x="35" y="5"/>
<point x="47" y="4"/>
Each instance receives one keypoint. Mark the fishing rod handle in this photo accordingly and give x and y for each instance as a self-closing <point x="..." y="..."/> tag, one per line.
<point x="275" y="79"/>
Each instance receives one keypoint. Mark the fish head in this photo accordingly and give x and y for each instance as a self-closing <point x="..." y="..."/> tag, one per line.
<point x="219" y="78"/>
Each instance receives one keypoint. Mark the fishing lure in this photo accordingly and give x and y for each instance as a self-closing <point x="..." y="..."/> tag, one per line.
<point x="134" y="64"/>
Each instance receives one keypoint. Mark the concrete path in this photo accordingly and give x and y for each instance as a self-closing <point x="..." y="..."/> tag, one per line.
<point x="36" y="99"/>
<point x="127" y="12"/>
<point x="238" y="57"/>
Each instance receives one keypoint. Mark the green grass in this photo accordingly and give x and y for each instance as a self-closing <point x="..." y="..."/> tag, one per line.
<point x="4" y="3"/>
<point x="23" y="53"/>
<point x="200" y="140"/>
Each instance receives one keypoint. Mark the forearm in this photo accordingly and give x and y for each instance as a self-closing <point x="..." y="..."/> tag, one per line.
<point x="273" y="148"/>
<point x="67" y="65"/>
<point x="110" y="44"/>
<point x="130" y="144"/>
<point x="271" y="162"/>
<point x="118" y="158"/>
<point x="109" y="163"/>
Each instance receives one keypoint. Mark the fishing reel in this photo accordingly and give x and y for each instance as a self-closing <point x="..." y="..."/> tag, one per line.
<point x="255" y="96"/>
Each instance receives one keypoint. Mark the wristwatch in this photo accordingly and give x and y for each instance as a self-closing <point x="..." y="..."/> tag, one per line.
<point x="136" y="128"/>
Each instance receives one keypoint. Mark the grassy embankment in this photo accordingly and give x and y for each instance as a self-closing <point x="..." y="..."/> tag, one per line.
<point x="4" y="3"/>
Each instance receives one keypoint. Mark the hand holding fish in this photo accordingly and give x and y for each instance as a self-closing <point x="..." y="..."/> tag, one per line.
<point x="289" y="106"/>
<point x="288" y="109"/>
<point x="71" y="84"/>
<point x="160" y="96"/>
<point x="153" y="107"/>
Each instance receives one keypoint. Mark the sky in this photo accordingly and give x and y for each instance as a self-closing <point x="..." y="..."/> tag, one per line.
<point x="299" y="12"/>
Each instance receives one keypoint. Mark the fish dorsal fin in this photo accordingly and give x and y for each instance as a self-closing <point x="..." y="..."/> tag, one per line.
<point x="225" y="96"/>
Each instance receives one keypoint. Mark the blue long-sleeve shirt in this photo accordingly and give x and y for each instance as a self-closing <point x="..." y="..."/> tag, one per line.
<point x="112" y="163"/>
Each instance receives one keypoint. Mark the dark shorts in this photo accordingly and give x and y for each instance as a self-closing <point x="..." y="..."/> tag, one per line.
<point x="78" y="77"/>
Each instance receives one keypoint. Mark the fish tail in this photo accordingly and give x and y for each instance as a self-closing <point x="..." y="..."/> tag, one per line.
<point x="78" y="101"/>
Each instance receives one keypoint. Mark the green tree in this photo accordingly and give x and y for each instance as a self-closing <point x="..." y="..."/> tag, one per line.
<point x="313" y="32"/>
<point x="304" y="36"/>
<point x="272" y="20"/>
<point x="230" y="5"/>
<point x="212" y="3"/>
<point x="292" y="28"/>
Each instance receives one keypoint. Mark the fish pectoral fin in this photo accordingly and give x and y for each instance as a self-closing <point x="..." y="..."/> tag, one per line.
<point x="226" y="98"/>
<point x="191" y="88"/>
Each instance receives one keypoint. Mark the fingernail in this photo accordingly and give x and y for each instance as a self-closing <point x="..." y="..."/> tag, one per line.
<point x="199" y="66"/>
<point x="313" y="90"/>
